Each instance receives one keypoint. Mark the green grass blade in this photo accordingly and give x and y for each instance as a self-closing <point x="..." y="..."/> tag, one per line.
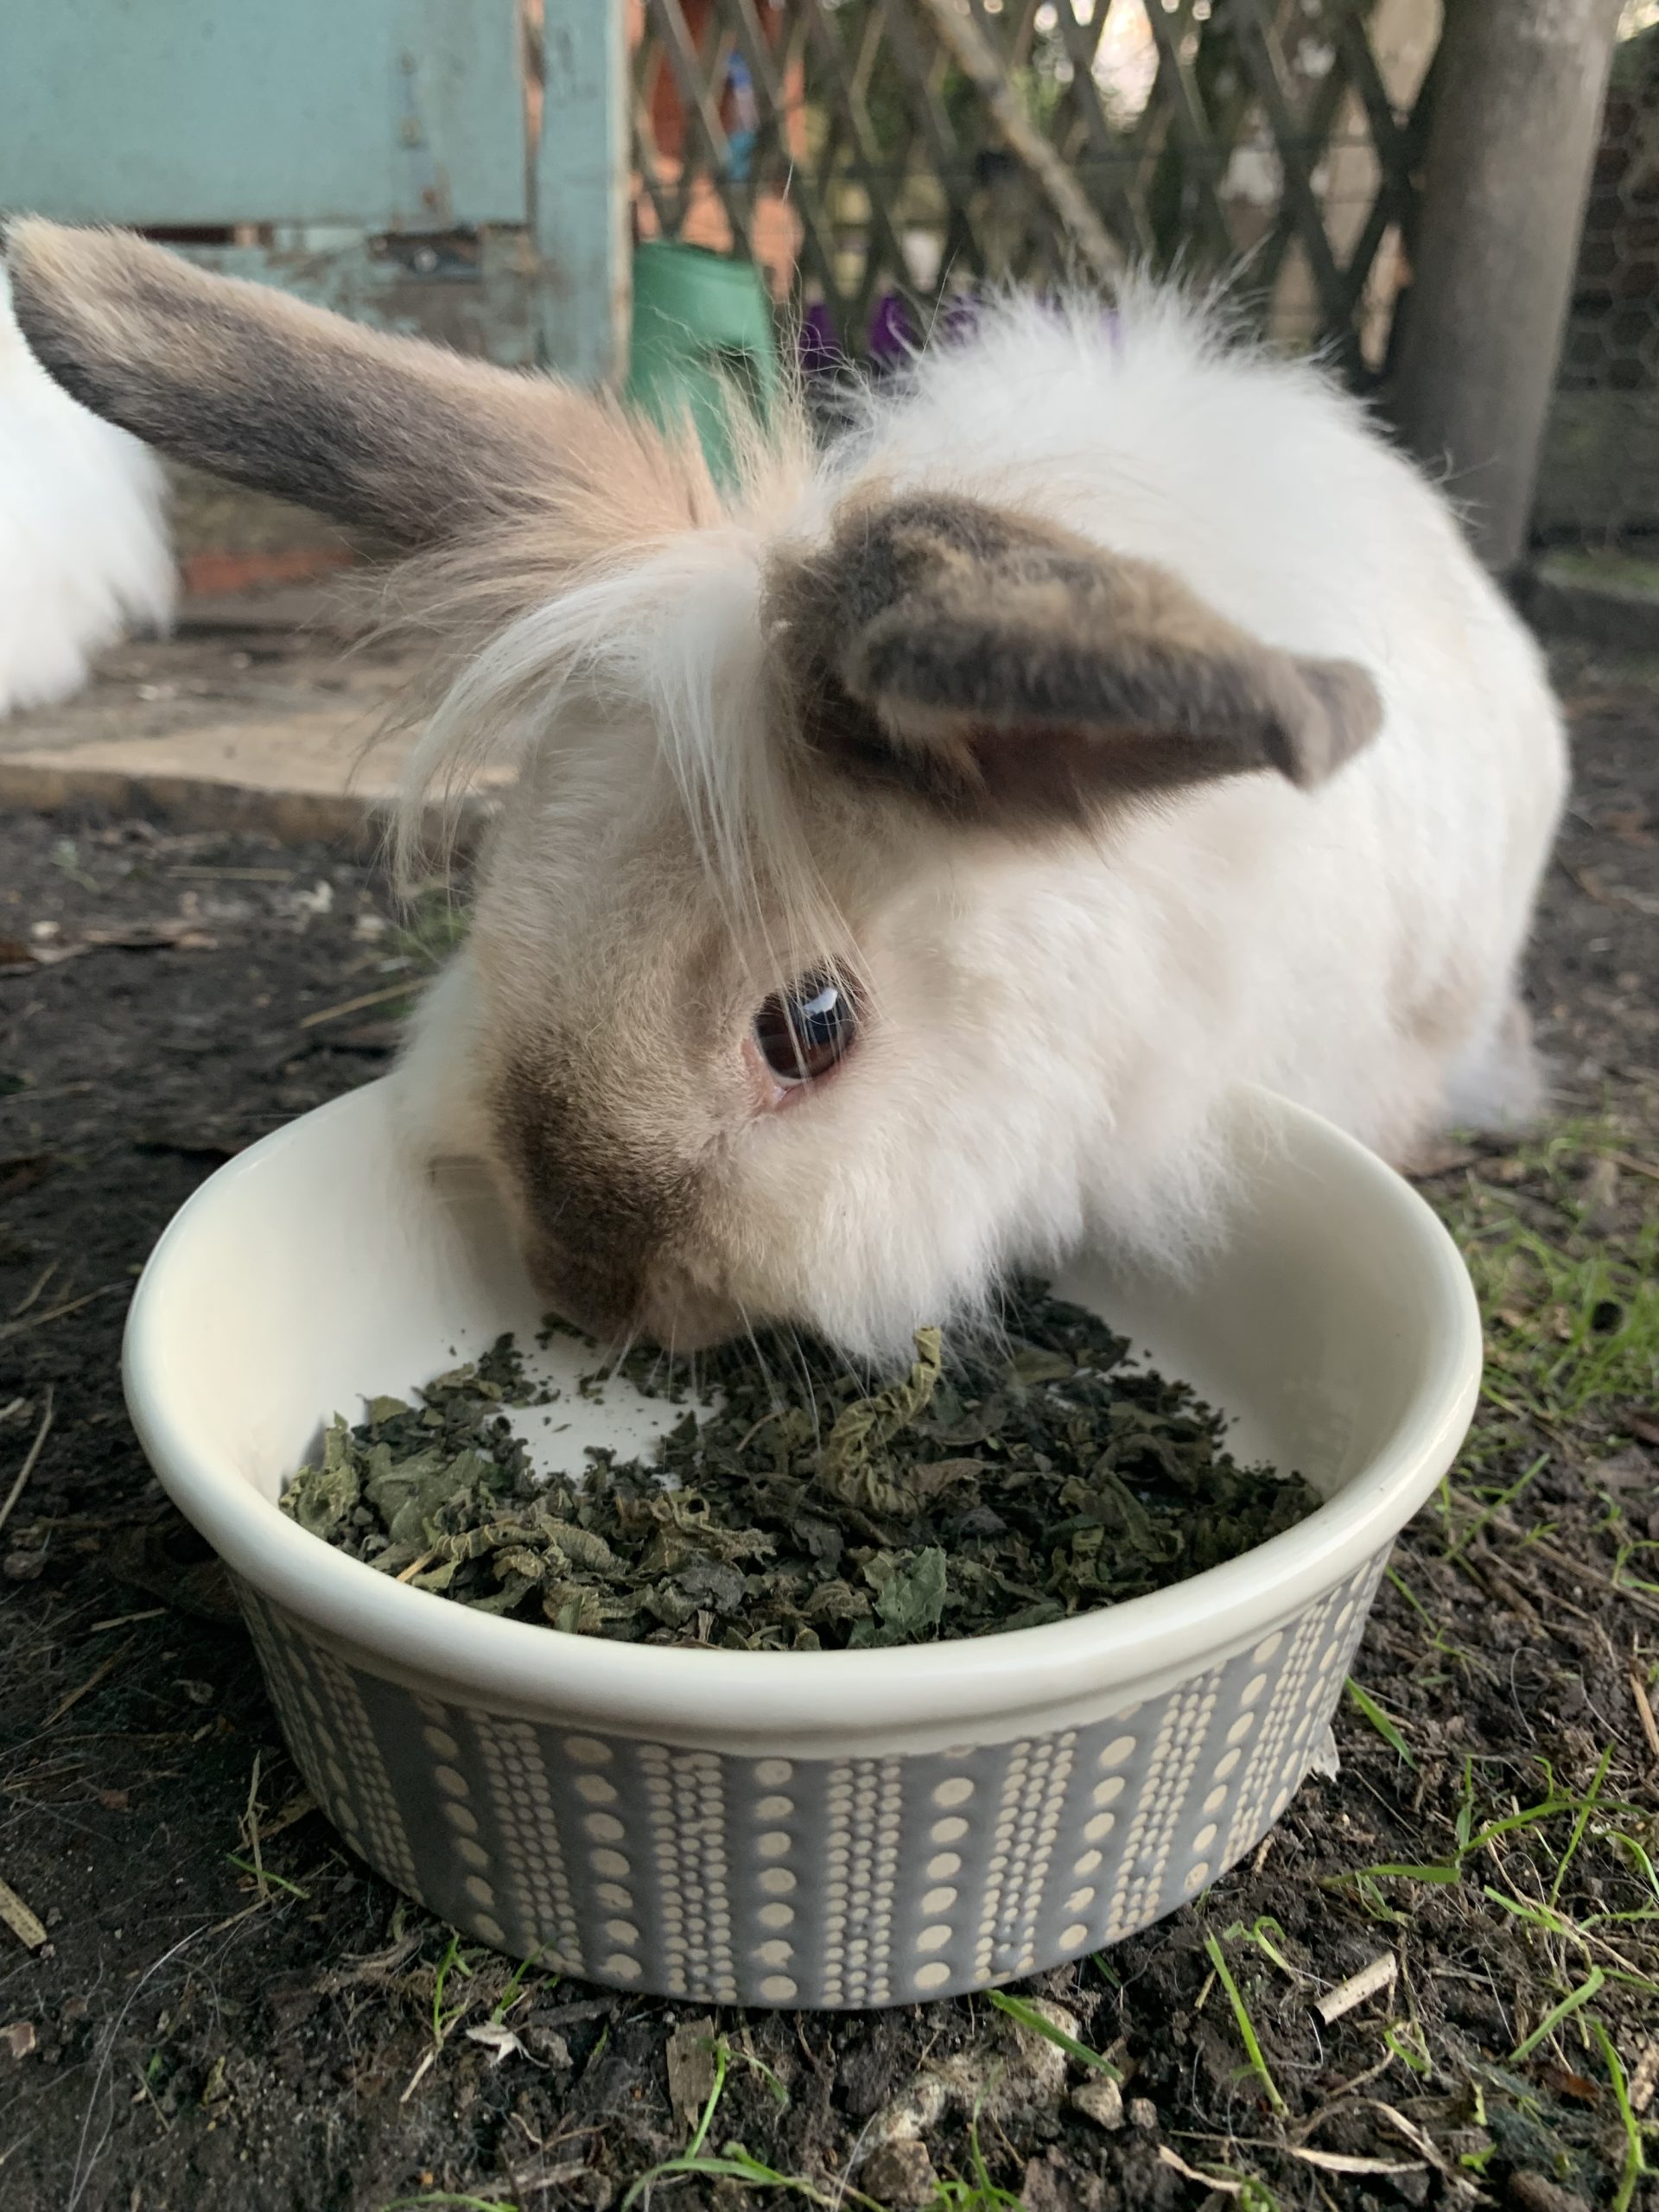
<point x="1635" y="2164"/>
<point x="1028" y="2017"/>
<point x="1414" y="2056"/>
<point x="1385" y="1728"/>
<point x="451" y="1962"/>
<point x="448" y="2197"/>
<point x="1553" y="1923"/>
<point x="515" y="1989"/>
<point x="1552" y="2019"/>
<point x="700" y="2135"/>
<point x="1580" y="1824"/>
<point x="1483" y="1519"/>
<point x="1246" y="2026"/>
<point x="1262" y="1932"/>
<point x="1527" y="1818"/>
<point x="1394" y="1871"/>
<point x="262" y="1874"/>
<point x="747" y="2169"/>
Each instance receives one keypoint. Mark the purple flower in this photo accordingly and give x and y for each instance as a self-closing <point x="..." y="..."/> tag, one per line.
<point x="958" y="319"/>
<point x="820" y="349"/>
<point x="893" y="335"/>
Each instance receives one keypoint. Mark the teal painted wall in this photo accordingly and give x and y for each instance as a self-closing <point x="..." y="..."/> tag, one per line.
<point x="354" y="127"/>
<point x="395" y="114"/>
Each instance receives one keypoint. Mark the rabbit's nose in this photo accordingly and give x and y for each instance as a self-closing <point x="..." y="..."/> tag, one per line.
<point x="683" y="1317"/>
<point x="587" y="1291"/>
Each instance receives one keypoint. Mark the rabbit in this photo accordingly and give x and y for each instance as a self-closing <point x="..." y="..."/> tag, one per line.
<point x="915" y="845"/>
<point x="85" y="551"/>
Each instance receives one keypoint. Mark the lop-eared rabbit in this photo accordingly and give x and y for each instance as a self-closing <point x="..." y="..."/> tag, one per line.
<point x="912" y="848"/>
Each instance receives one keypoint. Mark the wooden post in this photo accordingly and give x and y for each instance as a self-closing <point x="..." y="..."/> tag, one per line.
<point x="1508" y="166"/>
<point x="582" y="236"/>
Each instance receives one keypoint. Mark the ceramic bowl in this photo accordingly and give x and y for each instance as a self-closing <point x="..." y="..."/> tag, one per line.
<point x="815" y="1830"/>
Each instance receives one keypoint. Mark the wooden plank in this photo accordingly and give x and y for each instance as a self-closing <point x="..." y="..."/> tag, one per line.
<point x="949" y="157"/>
<point x="1176" y="113"/>
<point x="1109" y="159"/>
<point x="698" y="81"/>
<point x="667" y="198"/>
<point x="1329" y="94"/>
<point x="1390" y="135"/>
<point x="386" y="114"/>
<point x="769" y="72"/>
<point x="582" y="191"/>
<point x="1302" y="213"/>
<point x="885" y="251"/>
<point x="1355" y="276"/>
<point x="1391" y="139"/>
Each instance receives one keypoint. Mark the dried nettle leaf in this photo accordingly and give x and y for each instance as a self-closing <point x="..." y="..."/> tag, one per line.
<point x="909" y="1596"/>
<point x="320" y="1497"/>
<point x="989" y="1487"/>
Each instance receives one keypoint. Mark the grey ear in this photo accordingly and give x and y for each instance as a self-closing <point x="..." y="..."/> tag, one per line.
<point x="1005" y="666"/>
<point x="408" y="440"/>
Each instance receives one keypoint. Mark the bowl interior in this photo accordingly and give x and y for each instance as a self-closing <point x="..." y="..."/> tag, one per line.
<point x="318" y="1270"/>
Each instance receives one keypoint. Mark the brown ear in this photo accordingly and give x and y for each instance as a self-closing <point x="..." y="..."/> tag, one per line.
<point x="1006" y="666"/>
<point x="411" y="441"/>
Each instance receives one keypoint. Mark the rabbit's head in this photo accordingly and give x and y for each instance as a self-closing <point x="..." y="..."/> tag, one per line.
<point x="765" y="1011"/>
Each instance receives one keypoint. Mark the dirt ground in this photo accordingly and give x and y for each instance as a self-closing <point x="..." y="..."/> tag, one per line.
<point x="178" y="2030"/>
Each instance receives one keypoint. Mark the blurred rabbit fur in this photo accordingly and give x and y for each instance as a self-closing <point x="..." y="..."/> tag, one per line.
<point x="84" y="554"/>
<point x="1107" y="719"/>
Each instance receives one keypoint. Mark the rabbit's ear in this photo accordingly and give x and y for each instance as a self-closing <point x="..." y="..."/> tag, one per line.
<point x="1007" y="668"/>
<point x="402" y="438"/>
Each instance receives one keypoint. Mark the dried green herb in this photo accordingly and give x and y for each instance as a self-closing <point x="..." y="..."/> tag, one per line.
<point x="984" y="1490"/>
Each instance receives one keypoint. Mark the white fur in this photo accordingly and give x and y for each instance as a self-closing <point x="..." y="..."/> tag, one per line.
<point x="1056" y="1024"/>
<point x="83" y="548"/>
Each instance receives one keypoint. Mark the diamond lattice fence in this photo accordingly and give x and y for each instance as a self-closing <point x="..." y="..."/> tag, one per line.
<point x="880" y="156"/>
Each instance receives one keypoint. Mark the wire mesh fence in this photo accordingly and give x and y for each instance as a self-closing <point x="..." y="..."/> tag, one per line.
<point x="1598" y="489"/>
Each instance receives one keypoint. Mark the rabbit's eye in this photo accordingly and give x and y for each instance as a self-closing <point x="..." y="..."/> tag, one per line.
<point x="803" y="1033"/>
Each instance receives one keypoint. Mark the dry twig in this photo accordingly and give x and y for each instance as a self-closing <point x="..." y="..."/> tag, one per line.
<point x="30" y="1458"/>
<point x="974" y="56"/>
<point x="29" y="1930"/>
<point x="1347" y="1995"/>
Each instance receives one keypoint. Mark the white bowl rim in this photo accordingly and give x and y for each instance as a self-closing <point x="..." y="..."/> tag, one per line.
<point x="647" y="1689"/>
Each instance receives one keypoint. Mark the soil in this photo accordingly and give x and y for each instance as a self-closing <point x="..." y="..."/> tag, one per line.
<point x="191" y="2032"/>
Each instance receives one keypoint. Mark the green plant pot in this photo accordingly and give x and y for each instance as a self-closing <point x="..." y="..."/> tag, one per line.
<point x="701" y="340"/>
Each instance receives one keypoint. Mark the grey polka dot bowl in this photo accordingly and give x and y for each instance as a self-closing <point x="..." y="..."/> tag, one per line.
<point x="818" y="1830"/>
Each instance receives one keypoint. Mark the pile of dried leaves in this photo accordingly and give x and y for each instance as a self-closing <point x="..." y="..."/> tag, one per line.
<point x="992" y="1490"/>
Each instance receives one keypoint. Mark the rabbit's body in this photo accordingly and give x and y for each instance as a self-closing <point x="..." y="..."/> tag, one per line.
<point x="84" y="547"/>
<point x="1109" y="719"/>
<point x="1355" y="948"/>
<point x="1075" y="1010"/>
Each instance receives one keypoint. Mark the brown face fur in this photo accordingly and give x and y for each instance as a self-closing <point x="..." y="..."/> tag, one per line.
<point x="627" y="1103"/>
<point x="616" y="1075"/>
<point x="599" y="1220"/>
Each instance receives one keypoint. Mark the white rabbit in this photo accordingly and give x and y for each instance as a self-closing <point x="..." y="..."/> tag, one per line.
<point x="1110" y="718"/>
<point x="83" y="548"/>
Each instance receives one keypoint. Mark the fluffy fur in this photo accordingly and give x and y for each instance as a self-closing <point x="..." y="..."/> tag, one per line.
<point x="83" y="548"/>
<point x="1158" y="546"/>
